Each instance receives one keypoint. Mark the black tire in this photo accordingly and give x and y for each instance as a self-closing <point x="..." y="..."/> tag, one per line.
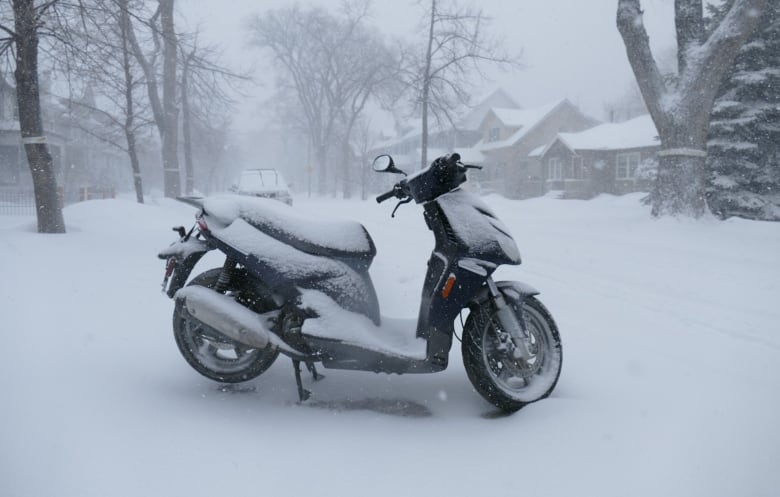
<point x="494" y="373"/>
<point x="216" y="356"/>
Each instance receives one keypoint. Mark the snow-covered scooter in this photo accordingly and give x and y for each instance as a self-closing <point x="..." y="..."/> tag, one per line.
<point x="302" y="288"/>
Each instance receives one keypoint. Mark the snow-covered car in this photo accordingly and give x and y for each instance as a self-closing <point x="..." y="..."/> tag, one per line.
<point x="267" y="183"/>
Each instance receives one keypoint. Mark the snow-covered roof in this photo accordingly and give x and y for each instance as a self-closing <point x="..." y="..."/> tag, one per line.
<point x="634" y="133"/>
<point x="413" y="129"/>
<point x="525" y="119"/>
<point x="471" y="121"/>
<point x="499" y="98"/>
<point x="538" y="151"/>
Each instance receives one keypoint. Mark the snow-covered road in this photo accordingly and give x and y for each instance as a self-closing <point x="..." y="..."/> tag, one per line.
<point x="670" y="383"/>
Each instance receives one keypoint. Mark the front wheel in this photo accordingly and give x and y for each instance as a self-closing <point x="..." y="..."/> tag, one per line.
<point x="214" y="355"/>
<point x="503" y="380"/>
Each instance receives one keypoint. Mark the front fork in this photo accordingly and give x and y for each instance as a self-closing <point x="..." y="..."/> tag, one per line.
<point x="510" y="323"/>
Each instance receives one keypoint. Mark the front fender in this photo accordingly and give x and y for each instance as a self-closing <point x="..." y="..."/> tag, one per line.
<point x="506" y="287"/>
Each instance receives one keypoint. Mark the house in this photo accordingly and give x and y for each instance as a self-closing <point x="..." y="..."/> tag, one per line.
<point x="500" y="136"/>
<point x="509" y="135"/>
<point x="80" y="159"/>
<point x="405" y="145"/>
<point x="13" y="162"/>
<point x="469" y="127"/>
<point x="612" y="158"/>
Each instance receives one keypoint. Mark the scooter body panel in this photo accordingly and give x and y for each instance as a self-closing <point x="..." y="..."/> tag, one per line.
<point x="285" y="270"/>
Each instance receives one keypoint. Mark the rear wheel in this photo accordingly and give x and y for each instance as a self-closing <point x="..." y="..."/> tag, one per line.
<point x="503" y="380"/>
<point x="212" y="354"/>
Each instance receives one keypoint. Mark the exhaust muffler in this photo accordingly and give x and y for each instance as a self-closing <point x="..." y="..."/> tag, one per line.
<point x="228" y="317"/>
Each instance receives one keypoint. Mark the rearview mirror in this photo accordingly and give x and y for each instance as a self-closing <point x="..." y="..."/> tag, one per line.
<point x="384" y="164"/>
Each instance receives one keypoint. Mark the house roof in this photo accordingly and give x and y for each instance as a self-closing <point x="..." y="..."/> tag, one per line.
<point x="635" y="133"/>
<point x="469" y="122"/>
<point x="525" y="119"/>
<point x="539" y="151"/>
<point x="499" y="98"/>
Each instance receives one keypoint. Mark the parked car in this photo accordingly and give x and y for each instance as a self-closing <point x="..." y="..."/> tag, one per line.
<point x="267" y="183"/>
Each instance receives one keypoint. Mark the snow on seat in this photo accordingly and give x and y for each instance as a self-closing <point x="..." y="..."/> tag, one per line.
<point x="316" y="236"/>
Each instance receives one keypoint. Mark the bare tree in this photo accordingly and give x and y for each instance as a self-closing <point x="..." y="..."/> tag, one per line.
<point x="457" y="46"/>
<point x="24" y="38"/>
<point x="333" y="65"/>
<point x="366" y="67"/>
<point x="295" y="39"/>
<point x="129" y="84"/>
<point x="99" y="55"/>
<point x="164" y="108"/>
<point x="681" y="108"/>
<point x="170" y="139"/>
<point x="629" y="103"/>
<point x="206" y="90"/>
<point x="363" y="142"/>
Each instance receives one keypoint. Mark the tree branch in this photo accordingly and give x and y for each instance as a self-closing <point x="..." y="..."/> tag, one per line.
<point x="632" y="29"/>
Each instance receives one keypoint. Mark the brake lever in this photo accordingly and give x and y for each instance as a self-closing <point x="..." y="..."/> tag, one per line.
<point x="404" y="201"/>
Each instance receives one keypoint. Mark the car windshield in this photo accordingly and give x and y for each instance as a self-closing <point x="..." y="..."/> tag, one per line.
<point x="261" y="180"/>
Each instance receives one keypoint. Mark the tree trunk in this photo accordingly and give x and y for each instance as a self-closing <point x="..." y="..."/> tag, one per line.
<point x="129" y="129"/>
<point x="321" y="159"/>
<point x="346" y="174"/>
<point x="135" y="166"/>
<point x="47" y="202"/>
<point x="426" y="89"/>
<point x="689" y="25"/>
<point x="680" y="186"/>
<point x="170" y="138"/>
<point x="681" y="182"/>
<point x="164" y="111"/>
<point x="189" y="168"/>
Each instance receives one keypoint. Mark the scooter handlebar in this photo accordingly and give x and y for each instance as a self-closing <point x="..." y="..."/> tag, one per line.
<point x="399" y="191"/>
<point x="385" y="196"/>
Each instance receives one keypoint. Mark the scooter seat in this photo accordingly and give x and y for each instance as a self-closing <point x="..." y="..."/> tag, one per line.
<point x="325" y="237"/>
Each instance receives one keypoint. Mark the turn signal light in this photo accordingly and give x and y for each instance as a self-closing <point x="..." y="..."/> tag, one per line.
<point x="448" y="286"/>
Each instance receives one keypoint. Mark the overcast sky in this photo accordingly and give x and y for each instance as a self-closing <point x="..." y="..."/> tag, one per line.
<point x="571" y="48"/>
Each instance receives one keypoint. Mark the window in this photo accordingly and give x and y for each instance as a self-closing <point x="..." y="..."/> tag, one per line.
<point x="554" y="169"/>
<point x="577" y="170"/>
<point x="494" y="134"/>
<point x="627" y="165"/>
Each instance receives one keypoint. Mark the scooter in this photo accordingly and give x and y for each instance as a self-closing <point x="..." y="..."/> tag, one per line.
<point x="302" y="288"/>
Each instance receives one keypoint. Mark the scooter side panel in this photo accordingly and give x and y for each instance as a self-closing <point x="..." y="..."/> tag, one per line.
<point x="285" y="269"/>
<point x="440" y="306"/>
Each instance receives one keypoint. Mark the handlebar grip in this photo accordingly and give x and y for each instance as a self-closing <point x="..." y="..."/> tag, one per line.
<point x="385" y="196"/>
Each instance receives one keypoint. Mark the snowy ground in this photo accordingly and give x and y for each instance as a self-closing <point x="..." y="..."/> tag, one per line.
<point x="670" y="384"/>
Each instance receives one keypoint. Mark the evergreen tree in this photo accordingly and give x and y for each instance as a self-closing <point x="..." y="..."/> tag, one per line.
<point x="744" y="137"/>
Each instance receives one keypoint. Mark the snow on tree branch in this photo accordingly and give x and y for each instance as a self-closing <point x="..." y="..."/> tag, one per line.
<point x="649" y="78"/>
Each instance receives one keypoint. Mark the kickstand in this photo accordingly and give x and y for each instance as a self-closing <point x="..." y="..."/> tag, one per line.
<point x="313" y="370"/>
<point x="303" y="394"/>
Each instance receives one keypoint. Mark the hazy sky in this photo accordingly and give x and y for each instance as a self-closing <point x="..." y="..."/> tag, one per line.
<point x="571" y="48"/>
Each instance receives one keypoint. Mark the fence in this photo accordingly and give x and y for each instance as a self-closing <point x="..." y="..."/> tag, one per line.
<point x="17" y="202"/>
